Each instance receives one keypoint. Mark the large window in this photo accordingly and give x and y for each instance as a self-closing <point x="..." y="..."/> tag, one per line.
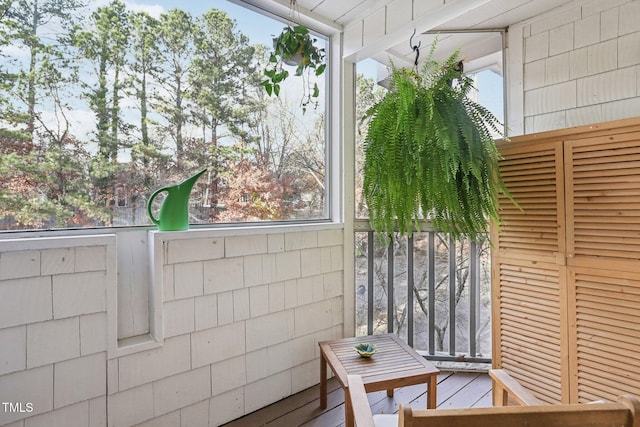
<point x="102" y="103"/>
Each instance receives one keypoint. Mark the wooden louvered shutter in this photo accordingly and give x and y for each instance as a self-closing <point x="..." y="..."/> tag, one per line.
<point x="603" y="258"/>
<point x="570" y="296"/>
<point x="529" y="272"/>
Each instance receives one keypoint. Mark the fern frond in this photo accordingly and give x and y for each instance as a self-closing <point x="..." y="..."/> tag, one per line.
<point x="430" y="152"/>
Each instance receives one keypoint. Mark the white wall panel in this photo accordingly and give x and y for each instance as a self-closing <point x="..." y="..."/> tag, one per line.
<point x="590" y="75"/>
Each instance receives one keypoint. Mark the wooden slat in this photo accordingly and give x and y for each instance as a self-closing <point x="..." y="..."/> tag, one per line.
<point x="597" y="233"/>
<point x="622" y="181"/>
<point x="604" y="151"/>
<point x="540" y="191"/>
<point x="527" y="297"/>
<point x="525" y="321"/>
<point x="598" y="343"/>
<point x="610" y="175"/>
<point x="613" y="230"/>
<point x="530" y="294"/>
<point x="592" y="363"/>
<point x="506" y="389"/>
<point x="531" y="178"/>
<point x="607" y="323"/>
<point x="455" y="389"/>
<point x="599" y="415"/>
<point x="546" y="391"/>
<point x="603" y="185"/>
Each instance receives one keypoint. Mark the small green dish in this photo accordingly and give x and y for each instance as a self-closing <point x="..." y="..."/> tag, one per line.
<point x="365" y="349"/>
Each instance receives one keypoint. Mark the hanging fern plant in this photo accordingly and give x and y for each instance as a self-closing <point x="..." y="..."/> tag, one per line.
<point x="430" y="154"/>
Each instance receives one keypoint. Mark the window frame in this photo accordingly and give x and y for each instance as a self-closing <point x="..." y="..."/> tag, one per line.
<point x="333" y="211"/>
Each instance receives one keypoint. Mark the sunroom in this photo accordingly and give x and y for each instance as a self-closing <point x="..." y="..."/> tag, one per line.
<point x="109" y="320"/>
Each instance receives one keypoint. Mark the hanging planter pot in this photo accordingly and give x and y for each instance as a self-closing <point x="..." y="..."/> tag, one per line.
<point x="430" y="154"/>
<point x="293" y="61"/>
<point x="294" y="46"/>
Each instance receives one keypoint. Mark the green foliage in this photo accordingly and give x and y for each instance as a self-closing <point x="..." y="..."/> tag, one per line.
<point x="430" y="153"/>
<point x="104" y="44"/>
<point x="294" y="46"/>
<point x="45" y="190"/>
<point x="194" y="99"/>
<point x="175" y="40"/>
<point x="222" y="67"/>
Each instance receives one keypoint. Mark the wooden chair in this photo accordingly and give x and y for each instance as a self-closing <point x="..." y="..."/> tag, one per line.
<point x="507" y="390"/>
<point x="529" y="412"/>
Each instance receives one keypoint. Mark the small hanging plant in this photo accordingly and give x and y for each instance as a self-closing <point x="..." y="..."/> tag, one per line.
<point x="294" y="46"/>
<point x="430" y="154"/>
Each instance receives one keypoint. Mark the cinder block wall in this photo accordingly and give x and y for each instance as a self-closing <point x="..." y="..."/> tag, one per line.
<point x="242" y="311"/>
<point x="580" y="64"/>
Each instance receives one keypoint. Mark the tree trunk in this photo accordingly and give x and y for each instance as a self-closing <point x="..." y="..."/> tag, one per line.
<point x="31" y="84"/>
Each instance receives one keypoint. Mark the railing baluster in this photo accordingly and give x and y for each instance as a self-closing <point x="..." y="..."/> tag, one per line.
<point x="452" y="297"/>
<point x="432" y="294"/>
<point x="409" y="306"/>
<point x="474" y="300"/>
<point x="433" y="275"/>
<point x="370" y="259"/>
<point x="390" y="308"/>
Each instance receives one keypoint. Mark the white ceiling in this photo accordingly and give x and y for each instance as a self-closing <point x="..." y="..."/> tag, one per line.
<point x="479" y="51"/>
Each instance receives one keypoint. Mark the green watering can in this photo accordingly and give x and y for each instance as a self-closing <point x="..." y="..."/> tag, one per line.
<point x="174" y="212"/>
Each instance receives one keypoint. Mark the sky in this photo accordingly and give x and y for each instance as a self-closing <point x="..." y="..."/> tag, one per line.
<point x="258" y="28"/>
<point x="261" y="29"/>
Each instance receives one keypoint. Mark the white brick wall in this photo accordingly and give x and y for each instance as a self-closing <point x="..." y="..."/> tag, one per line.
<point x="93" y="333"/>
<point x="71" y="416"/>
<point x="181" y="390"/>
<point x="194" y="249"/>
<point x="33" y="386"/>
<point x="13" y="352"/>
<point x="195" y="415"/>
<point x="24" y="301"/>
<point x="18" y="264"/>
<point x="77" y="380"/>
<point x="146" y="366"/>
<point x="266" y="300"/>
<point x="226" y="407"/>
<point x="267" y="390"/>
<point x="189" y="277"/>
<point x="53" y="329"/>
<point x="49" y="342"/>
<point x="130" y="407"/>
<point x="179" y="317"/>
<point x="223" y="275"/>
<point x="79" y="293"/>
<point x="240" y="313"/>
<point x="245" y="245"/>
<point x="228" y="375"/>
<point x="581" y="65"/>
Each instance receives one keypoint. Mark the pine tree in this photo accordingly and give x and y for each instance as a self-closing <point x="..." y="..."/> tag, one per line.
<point x="146" y="156"/>
<point x="175" y="38"/>
<point x="222" y="64"/>
<point x="104" y="45"/>
<point x="28" y="17"/>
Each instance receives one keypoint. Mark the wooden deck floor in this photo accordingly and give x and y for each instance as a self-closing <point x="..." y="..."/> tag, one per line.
<point x="455" y="390"/>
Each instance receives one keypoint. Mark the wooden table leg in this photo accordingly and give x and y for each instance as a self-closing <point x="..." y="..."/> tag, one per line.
<point x="432" y="401"/>
<point x="323" y="381"/>
<point x="348" y="410"/>
<point x="390" y="392"/>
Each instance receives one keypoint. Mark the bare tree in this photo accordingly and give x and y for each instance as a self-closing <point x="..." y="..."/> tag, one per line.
<point x="441" y="289"/>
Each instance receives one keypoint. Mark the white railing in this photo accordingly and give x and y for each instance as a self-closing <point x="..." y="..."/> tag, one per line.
<point x="436" y="290"/>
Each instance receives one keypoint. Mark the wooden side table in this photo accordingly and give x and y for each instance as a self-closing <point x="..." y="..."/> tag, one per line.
<point x="394" y="365"/>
